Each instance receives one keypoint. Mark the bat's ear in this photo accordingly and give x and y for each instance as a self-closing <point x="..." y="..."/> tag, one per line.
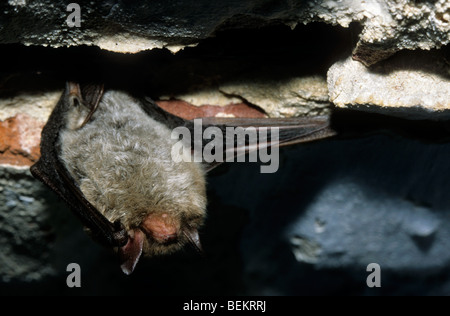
<point x="130" y="253"/>
<point x="73" y="93"/>
<point x="193" y="238"/>
<point x="83" y="101"/>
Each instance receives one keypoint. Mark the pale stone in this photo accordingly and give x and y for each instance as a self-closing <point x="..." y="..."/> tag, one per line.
<point x="293" y="97"/>
<point x="38" y="106"/>
<point x="410" y="85"/>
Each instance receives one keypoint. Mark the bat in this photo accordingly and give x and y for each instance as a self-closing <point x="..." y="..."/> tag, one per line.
<point x="110" y="156"/>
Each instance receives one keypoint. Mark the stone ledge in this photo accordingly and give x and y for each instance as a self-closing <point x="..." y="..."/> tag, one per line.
<point x="414" y="85"/>
<point x="387" y="26"/>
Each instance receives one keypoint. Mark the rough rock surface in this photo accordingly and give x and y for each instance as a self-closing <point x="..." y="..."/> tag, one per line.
<point x="25" y="232"/>
<point x="413" y="85"/>
<point x="393" y="25"/>
<point x="123" y="26"/>
<point x="291" y="97"/>
<point x="39" y="236"/>
<point x="38" y="106"/>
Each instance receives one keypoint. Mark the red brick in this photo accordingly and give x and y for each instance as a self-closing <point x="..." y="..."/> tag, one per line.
<point x="19" y="140"/>
<point x="189" y="111"/>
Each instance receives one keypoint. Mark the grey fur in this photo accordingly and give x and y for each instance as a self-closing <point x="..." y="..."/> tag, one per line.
<point x="121" y="159"/>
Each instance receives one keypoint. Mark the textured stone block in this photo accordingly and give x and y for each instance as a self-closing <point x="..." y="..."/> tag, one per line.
<point x="413" y="85"/>
<point x="387" y="25"/>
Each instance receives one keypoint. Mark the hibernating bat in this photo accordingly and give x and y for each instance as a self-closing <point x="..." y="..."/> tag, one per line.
<point x="110" y="157"/>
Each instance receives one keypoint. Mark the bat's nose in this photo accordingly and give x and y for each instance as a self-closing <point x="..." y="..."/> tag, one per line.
<point x="161" y="227"/>
<point x="161" y="238"/>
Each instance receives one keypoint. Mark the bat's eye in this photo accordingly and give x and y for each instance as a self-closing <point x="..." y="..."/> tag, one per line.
<point x="161" y="227"/>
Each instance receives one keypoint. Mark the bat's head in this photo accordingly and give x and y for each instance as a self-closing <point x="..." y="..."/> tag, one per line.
<point x="160" y="233"/>
<point x="161" y="211"/>
<point x="162" y="230"/>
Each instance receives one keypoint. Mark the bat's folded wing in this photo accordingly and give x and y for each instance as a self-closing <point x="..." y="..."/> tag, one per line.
<point x="245" y="135"/>
<point x="50" y="170"/>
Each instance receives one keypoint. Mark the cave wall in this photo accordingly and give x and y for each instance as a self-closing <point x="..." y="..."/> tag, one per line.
<point x="332" y="208"/>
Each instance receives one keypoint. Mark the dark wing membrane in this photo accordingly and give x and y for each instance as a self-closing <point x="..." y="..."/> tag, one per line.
<point x="269" y="132"/>
<point x="51" y="172"/>
<point x="289" y="130"/>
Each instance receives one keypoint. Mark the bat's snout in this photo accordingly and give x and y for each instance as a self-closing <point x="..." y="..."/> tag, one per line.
<point x="161" y="227"/>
